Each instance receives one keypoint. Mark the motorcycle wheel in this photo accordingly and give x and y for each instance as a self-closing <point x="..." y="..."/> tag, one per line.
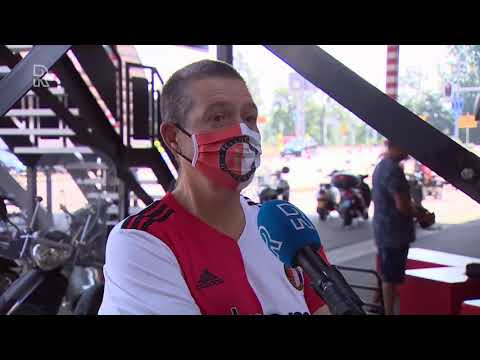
<point x="365" y="215"/>
<point x="90" y="301"/>
<point x="7" y="279"/>
<point x="347" y="219"/>
<point x="322" y="213"/>
<point x="47" y="298"/>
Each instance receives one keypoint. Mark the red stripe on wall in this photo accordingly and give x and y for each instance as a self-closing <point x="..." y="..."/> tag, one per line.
<point x="392" y="73"/>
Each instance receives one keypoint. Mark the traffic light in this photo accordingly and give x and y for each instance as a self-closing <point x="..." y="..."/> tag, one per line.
<point x="448" y="90"/>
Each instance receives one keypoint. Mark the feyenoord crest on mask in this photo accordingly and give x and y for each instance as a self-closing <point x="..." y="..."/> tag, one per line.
<point x="228" y="156"/>
<point x="252" y="154"/>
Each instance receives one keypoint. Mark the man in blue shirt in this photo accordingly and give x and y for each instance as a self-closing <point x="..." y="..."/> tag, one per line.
<point x="393" y="221"/>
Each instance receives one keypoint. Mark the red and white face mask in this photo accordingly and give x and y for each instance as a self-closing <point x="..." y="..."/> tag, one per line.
<point x="228" y="156"/>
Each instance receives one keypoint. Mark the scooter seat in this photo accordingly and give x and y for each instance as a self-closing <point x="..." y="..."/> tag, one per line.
<point x="56" y="235"/>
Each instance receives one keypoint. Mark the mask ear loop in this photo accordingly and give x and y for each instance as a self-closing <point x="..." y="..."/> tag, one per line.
<point x="195" y="146"/>
<point x="195" y="150"/>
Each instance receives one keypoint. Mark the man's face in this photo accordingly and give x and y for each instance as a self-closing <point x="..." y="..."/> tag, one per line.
<point x="218" y="103"/>
<point x="397" y="153"/>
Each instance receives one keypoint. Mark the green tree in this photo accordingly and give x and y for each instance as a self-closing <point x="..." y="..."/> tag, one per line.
<point x="282" y="116"/>
<point x="361" y="133"/>
<point x="344" y="120"/>
<point x="243" y="67"/>
<point x="429" y="104"/>
<point x="423" y="101"/>
<point x="464" y="65"/>
<point x="314" y="119"/>
<point x="282" y="121"/>
<point x="410" y="85"/>
<point x="464" y="71"/>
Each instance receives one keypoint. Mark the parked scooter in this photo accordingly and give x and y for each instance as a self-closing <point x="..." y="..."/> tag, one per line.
<point x="40" y="285"/>
<point x="8" y="267"/>
<point x="415" y="181"/>
<point x="278" y="189"/>
<point x="434" y="187"/>
<point x="355" y="196"/>
<point x="86" y="268"/>
<point x="325" y="201"/>
<point x="55" y="266"/>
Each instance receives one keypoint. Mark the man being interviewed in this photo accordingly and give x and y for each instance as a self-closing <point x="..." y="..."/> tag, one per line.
<point x="198" y="250"/>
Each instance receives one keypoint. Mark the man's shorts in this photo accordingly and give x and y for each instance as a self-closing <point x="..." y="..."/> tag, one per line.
<point x="392" y="264"/>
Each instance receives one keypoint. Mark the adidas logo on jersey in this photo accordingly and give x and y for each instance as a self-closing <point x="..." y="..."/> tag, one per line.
<point x="207" y="279"/>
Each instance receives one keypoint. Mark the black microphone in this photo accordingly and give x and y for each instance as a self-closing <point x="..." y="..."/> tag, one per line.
<point x="293" y="239"/>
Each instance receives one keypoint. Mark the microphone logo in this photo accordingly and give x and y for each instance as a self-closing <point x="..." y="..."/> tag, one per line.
<point x="273" y="245"/>
<point x="298" y="219"/>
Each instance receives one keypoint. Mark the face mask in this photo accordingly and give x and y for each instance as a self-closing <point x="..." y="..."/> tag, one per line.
<point x="228" y="156"/>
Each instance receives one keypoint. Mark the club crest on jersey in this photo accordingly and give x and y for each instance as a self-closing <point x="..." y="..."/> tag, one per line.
<point x="294" y="276"/>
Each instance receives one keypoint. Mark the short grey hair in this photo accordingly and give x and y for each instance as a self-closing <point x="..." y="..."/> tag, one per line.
<point x="175" y="102"/>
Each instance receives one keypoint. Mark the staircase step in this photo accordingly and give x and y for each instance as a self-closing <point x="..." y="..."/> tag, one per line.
<point x="86" y="166"/>
<point x="19" y="48"/>
<point x="36" y="132"/>
<point x="113" y="196"/>
<point x="54" y="90"/>
<point x="89" y="181"/>
<point x="56" y="150"/>
<point x="37" y="112"/>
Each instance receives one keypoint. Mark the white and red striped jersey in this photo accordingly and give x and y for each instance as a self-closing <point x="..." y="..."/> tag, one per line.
<point x="165" y="260"/>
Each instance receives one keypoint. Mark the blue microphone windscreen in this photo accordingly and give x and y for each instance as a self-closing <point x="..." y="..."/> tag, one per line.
<point x="285" y="229"/>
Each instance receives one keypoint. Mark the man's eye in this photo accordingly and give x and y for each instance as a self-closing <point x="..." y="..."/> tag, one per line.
<point x="219" y="118"/>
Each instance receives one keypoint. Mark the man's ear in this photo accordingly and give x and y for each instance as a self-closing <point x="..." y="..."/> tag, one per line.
<point x="169" y="135"/>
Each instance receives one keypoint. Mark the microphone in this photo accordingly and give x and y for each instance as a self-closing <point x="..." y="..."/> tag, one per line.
<point x="292" y="238"/>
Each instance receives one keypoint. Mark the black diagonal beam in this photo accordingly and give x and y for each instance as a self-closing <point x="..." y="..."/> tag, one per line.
<point x="101" y="71"/>
<point x="21" y="79"/>
<point x="104" y="136"/>
<point x="12" y="61"/>
<point x="147" y="157"/>
<point x="98" y="121"/>
<point x="392" y="120"/>
<point x="95" y="119"/>
<point x="98" y="66"/>
<point x="92" y="115"/>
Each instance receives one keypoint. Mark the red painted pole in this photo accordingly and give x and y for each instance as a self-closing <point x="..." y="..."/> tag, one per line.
<point x="392" y="71"/>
